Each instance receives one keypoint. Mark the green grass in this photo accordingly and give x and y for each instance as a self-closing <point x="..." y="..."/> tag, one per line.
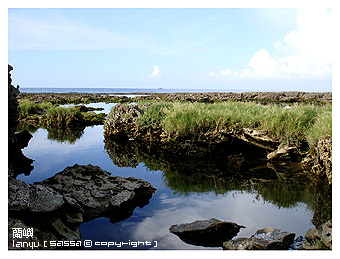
<point x="295" y="125"/>
<point x="28" y="107"/>
<point x="63" y="116"/>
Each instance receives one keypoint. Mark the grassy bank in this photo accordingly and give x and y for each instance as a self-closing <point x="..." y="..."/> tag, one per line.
<point x="45" y="113"/>
<point x="296" y="124"/>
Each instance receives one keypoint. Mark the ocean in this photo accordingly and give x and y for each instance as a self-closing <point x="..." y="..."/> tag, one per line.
<point x="121" y="90"/>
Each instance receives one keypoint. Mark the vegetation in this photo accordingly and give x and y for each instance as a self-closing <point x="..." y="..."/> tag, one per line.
<point x="293" y="124"/>
<point x="50" y="115"/>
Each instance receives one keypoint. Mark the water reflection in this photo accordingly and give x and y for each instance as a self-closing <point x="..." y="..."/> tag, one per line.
<point x="237" y="186"/>
<point x="282" y="185"/>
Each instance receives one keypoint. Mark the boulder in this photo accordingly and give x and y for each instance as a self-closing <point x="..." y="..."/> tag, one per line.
<point x="320" y="238"/>
<point x="97" y="193"/>
<point x="264" y="239"/>
<point x="32" y="198"/>
<point x="58" y="205"/>
<point x="208" y="233"/>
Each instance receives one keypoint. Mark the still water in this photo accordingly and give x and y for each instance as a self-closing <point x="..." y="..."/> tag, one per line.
<point x="177" y="200"/>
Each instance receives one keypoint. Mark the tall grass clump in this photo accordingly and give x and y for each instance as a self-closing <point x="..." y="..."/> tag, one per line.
<point x="153" y="116"/>
<point x="195" y="118"/>
<point x="28" y="107"/>
<point x="291" y="125"/>
<point x="322" y="128"/>
<point x="63" y="116"/>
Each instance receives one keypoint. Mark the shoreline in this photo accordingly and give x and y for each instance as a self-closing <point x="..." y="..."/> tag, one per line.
<point x="264" y="97"/>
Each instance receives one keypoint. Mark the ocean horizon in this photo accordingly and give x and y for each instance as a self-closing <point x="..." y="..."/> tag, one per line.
<point x="95" y="90"/>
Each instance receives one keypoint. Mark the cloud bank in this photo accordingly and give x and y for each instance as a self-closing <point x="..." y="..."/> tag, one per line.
<point x="303" y="53"/>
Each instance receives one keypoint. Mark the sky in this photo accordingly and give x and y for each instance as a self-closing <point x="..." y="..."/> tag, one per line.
<point x="242" y="49"/>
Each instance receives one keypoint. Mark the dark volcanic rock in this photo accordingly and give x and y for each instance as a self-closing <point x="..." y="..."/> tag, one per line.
<point x="17" y="162"/>
<point x="97" y="193"/>
<point x="208" y="233"/>
<point x="264" y="239"/>
<point x="58" y="205"/>
<point x="33" y="198"/>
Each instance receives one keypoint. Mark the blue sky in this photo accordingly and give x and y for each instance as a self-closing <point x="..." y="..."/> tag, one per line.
<point x="224" y="48"/>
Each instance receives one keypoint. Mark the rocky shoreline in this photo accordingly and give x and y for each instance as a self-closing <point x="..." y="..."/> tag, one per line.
<point x="52" y="210"/>
<point x="55" y="207"/>
<point x="266" y="97"/>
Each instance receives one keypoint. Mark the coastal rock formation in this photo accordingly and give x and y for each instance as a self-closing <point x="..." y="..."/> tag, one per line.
<point x="264" y="239"/>
<point x="258" y="138"/>
<point x="17" y="162"/>
<point x="97" y="193"/>
<point x="320" y="238"/>
<point x="58" y="205"/>
<point x="285" y="153"/>
<point x="121" y="122"/>
<point x="209" y="233"/>
<point x="264" y="97"/>
<point x="320" y="159"/>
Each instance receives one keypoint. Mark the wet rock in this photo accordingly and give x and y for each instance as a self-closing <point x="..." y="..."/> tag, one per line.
<point x="208" y="233"/>
<point x="320" y="238"/>
<point x="285" y="153"/>
<point x="264" y="239"/>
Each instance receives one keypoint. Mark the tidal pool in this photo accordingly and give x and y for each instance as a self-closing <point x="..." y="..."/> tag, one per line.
<point x="186" y="191"/>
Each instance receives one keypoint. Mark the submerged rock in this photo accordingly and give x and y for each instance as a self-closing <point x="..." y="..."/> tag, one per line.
<point x="208" y="233"/>
<point x="264" y="239"/>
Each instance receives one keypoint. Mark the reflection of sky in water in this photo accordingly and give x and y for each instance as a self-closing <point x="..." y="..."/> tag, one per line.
<point x="107" y="106"/>
<point x="165" y="208"/>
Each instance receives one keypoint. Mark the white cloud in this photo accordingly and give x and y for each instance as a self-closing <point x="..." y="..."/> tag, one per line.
<point x="155" y="72"/>
<point x="304" y="53"/>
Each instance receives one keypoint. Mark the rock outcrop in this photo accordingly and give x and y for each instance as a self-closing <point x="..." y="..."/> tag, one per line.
<point x="264" y="239"/>
<point x="17" y="162"/>
<point x="320" y="159"/>
<point x="121" y="122"/>
<point x="57" y="206"/>
<point x="208" y="233"/>
<point x="320" y="238"/>
<point x="285" y="153"/>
